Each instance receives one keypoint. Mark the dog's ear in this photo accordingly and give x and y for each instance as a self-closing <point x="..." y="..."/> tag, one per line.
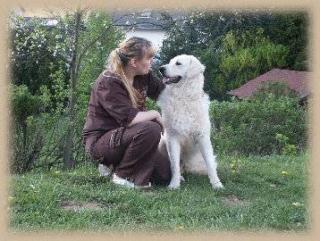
<point x="200" y="66"/>
<point x="196" y="67"/>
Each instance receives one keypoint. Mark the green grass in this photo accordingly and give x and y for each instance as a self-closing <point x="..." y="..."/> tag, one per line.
<point x="261" y="193"/>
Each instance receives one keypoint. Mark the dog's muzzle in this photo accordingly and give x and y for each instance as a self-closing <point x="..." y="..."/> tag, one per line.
<point x="171" y="80"/>
<point x="166" y="79"/>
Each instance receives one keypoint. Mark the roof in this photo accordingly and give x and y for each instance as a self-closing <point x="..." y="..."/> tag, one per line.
<point x="296" y="80"/>
<point x="144" y="20"/>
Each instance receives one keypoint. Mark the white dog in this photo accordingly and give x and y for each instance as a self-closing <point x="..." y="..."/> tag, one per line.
<point x="185" y="113"/>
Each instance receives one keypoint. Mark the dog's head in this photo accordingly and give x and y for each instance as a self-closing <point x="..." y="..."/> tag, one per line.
<point x="181" y="68"/>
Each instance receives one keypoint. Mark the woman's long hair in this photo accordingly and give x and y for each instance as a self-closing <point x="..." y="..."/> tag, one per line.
<point x="134" y="47"/>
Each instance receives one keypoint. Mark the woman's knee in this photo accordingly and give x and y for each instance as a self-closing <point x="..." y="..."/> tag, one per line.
<point x="150" y="130"/>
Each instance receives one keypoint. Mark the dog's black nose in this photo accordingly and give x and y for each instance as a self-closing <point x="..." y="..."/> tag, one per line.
<point x="161" y="69"/>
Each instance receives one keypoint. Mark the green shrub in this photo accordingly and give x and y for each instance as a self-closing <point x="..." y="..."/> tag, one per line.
<point x="251" y="126"/>
<point x="286" y="148"/>
<point x="26" y="137"/>
<point x="277" y="88"/>
<point x="26" y="142"/>
<point x="152" y="105"/>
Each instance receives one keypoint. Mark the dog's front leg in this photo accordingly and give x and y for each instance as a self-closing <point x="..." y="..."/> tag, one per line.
<point x="210" y="159"/>
<point x="174" y="148"/>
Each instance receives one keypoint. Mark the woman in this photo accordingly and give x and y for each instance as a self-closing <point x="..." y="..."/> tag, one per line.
<point x="119" y="131"/>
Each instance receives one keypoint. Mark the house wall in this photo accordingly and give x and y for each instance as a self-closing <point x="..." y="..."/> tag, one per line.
<point x="156" y="37"/>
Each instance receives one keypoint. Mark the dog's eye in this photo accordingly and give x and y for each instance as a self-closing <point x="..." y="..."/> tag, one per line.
<point x="178" y="63"/>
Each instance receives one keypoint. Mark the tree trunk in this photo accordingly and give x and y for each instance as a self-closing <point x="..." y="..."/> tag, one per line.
<point x="69" y="162"/>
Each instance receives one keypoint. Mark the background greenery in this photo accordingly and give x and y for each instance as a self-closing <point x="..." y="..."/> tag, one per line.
<point x="238" y="46"/>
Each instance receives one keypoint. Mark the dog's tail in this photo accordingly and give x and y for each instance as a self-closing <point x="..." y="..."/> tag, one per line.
<point x="195" y="164"/>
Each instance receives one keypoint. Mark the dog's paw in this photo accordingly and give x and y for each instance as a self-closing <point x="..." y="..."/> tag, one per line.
<point x="174" y="185"/>
<point x="217" y="185"/>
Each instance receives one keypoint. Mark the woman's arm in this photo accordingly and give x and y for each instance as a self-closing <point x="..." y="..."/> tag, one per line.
<point x="146" y="116"/>
<point x="113" y="97"/>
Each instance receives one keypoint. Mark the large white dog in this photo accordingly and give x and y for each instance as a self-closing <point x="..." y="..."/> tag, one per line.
<point x="185" y="113"/>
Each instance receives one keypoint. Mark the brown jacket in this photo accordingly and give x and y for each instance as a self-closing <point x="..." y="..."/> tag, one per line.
<point x="110" y="107"/>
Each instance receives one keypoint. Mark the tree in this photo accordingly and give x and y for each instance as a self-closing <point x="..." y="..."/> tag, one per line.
<point x="291" y="29"/>
<point x="243" y="57"/>
<point x="37" y="51"/>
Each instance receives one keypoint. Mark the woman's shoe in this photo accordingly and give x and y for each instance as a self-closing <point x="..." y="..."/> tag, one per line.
<point x="124" y="182"/>
<point x="144" y="187"/>
<point x="104" y="170"/>
<point x="121" y="181"/>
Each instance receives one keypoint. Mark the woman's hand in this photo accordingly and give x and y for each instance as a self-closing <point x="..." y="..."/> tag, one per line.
<point x="148" y="115"/>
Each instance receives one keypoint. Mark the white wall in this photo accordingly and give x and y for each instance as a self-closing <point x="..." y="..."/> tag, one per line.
<point x="156" y="37"/>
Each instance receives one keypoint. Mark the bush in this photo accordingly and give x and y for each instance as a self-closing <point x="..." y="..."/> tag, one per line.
<point x="287" y="149"/>
<point x="254" y="126"/>
<point x="277" y="88"/>
<point x="26" y="143"/>
<point x="26" y="137"/>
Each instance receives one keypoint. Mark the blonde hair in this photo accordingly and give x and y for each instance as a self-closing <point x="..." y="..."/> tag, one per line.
<point x="134" y="47"/>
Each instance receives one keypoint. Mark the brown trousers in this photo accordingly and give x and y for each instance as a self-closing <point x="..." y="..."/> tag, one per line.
<point x="136" y="156"/>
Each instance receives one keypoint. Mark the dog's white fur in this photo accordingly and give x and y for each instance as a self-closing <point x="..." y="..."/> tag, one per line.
<point x="185" y="113"/>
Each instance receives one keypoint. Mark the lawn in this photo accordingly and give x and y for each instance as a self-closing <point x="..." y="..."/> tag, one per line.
<point x="261" y="193"/>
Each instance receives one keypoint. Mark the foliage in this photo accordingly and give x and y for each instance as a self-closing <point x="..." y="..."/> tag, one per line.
<point x="42" y="94"/>
<point x="287" y="149"/>
<point x="26" y="143"/>
<point x="238" y="46"/>
<point x="34" y="47"/>
<point x="250" y="126"/>
<point x="152" y="105"/>
<point x="291" y="29"/>
<point x="242" y="57"/>
<point x="276" y="88"/>
<point x="23" y="103"/>
<point x="26" y="136"/>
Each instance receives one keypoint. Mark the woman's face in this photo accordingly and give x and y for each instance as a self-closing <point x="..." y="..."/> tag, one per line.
<point x="143" y="66"/>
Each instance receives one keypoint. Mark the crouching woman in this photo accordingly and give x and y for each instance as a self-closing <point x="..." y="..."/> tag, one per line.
<point x="119" y="131"/>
